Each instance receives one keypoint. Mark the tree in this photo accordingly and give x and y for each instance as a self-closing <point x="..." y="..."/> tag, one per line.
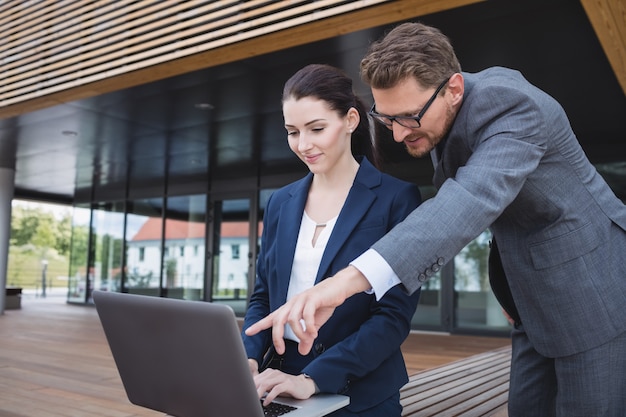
<point x="41" y="228"/>
<point x="475" y="259"/>
<point x="38" y="236"/>
<point x="64" y="235"/>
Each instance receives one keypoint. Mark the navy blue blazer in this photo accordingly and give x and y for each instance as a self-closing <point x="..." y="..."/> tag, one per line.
<point x="357" y="352"/>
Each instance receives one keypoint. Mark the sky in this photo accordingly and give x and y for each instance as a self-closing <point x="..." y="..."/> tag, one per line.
<point x="81" y="216"/>
<point x="58" y="210"/>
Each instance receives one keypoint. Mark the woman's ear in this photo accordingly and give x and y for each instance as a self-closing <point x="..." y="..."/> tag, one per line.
<point x="352" y="119"/>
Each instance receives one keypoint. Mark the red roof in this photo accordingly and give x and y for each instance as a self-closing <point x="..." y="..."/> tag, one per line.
<point x="179" y="229"/>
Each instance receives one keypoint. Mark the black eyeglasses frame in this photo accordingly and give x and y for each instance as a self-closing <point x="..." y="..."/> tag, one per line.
<point x="401" y="120"/>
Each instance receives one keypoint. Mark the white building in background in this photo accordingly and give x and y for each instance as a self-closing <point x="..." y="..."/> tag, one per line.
<point x="185" y="254"/>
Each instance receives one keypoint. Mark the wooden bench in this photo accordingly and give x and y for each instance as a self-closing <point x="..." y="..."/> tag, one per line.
<point x="474" y="386"/>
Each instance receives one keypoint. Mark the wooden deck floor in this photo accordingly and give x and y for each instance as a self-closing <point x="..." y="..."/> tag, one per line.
<point x="54" y="361"/>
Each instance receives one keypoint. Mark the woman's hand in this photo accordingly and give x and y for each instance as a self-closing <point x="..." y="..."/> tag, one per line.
<point x="254" y="366"/>
<point x="277" y="383"/>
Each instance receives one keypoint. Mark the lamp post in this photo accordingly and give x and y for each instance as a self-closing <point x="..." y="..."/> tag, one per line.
<point x="44" y="267"/>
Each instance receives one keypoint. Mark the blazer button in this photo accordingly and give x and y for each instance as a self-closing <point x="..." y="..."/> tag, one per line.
<point x="435" y="267"/>
<point x="319" y="348"/>
<point x="440" y="261"/>
<point x="429" y="273"/>
<point x="421" y="278"/>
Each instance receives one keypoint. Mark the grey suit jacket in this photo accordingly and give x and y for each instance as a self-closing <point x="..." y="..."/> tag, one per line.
<point x="512" y="163"/>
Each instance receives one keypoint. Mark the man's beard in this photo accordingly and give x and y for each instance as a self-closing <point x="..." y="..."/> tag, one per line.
<point x="434" y="140"/>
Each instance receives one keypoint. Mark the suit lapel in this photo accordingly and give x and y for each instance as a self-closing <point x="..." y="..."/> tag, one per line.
<point x="438" y="176"/>
<point x="358" y="202"/>
<point x="290" y="219"/>
<point x="439" y="158"/>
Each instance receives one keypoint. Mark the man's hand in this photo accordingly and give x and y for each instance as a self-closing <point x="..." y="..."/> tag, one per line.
<point x="275" y="383"/>
<point x="309" y="310"/>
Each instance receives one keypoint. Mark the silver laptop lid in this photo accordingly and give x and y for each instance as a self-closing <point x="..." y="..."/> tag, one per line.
<point x="186" y="358"/>
<point x="180" y="357"/>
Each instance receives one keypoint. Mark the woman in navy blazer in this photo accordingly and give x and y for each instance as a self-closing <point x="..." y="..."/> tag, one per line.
<point x="346" y="204"/>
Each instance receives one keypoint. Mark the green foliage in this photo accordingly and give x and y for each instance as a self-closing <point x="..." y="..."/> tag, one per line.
<point x="37" y="236"/>
<point x="139" y="281"/>
<point x="64" y="235"/>
<point x="79" y="245"/>
<point x="25" y="268"/>
<point x="475" y="258"/>
<point x="36" y="226"/>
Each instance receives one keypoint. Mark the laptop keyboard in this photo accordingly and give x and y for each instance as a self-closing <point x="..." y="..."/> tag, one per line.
<point x="276" y="409"/>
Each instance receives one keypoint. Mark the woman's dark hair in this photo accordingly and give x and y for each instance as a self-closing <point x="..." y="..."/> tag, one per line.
<point x="333" y="86"/>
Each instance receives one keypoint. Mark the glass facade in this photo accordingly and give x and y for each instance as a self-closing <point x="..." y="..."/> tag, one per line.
<point x="107" y="242"/>
<point x="231" y="253"/>
<point x="475" y="305"/>
<point x="185" y="242"/>
<point x="203" y="247"/>
<point x="143" y="246"/>
<point x="79" y="254"/>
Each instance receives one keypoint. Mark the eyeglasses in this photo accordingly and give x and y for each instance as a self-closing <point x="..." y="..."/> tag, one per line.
<point x="412" y="122"/>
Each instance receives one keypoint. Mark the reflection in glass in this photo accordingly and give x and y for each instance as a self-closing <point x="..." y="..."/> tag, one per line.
<point x="428" y="312"/>
<point x="476" y="306"/>
<point x="107" y="243"/>
<point x="231" y="231"/>
<point x="144" y="231"/>
<point x="77" y="285"/>
<point x="184" y="254"/>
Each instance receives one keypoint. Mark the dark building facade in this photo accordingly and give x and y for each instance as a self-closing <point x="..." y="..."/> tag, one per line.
<point x="169" y="114"/>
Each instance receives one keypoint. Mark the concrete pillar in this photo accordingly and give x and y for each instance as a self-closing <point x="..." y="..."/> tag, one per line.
<point x="7" y="178"/>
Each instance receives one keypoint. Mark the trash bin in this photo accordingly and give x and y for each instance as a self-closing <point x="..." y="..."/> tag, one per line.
<point x="13" y="299"/>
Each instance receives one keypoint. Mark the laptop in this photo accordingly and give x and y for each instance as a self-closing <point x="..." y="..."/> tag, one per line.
<point x="186" y="359"/>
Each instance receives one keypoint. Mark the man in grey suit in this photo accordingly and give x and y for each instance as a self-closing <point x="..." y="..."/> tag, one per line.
<point x="506" y="159"/>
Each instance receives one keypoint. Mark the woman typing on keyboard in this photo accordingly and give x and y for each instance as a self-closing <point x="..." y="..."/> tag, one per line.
<point x="314" y="227"/>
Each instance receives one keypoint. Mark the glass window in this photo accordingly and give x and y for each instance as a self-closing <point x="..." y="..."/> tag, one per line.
<point x="107" y="245"/>
<point x="475" y="305"/>
<point x="143" y="246"/>
<point x="231" y="226"/>
<point x="79" y="253"/>
<point x="185" y="227"/>
<point x="234" y="251"/>
<point x="428" y="312"/>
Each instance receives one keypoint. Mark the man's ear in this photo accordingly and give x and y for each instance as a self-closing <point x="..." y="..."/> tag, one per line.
<point x="456" y="88"/>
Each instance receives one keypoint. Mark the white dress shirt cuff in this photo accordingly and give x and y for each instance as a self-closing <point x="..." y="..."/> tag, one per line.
<point x="377" y="271"/>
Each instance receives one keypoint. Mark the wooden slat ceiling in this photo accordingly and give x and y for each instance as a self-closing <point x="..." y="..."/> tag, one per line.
<point x="52" y="46"/>
<point x="54" y="52"/>
<point x="140" y="120"/>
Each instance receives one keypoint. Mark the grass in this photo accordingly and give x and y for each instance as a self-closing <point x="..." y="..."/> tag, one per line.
<point x="25" y="269"/>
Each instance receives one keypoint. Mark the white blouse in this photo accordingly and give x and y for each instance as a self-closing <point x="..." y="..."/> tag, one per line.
<point x="306" y="260"/>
